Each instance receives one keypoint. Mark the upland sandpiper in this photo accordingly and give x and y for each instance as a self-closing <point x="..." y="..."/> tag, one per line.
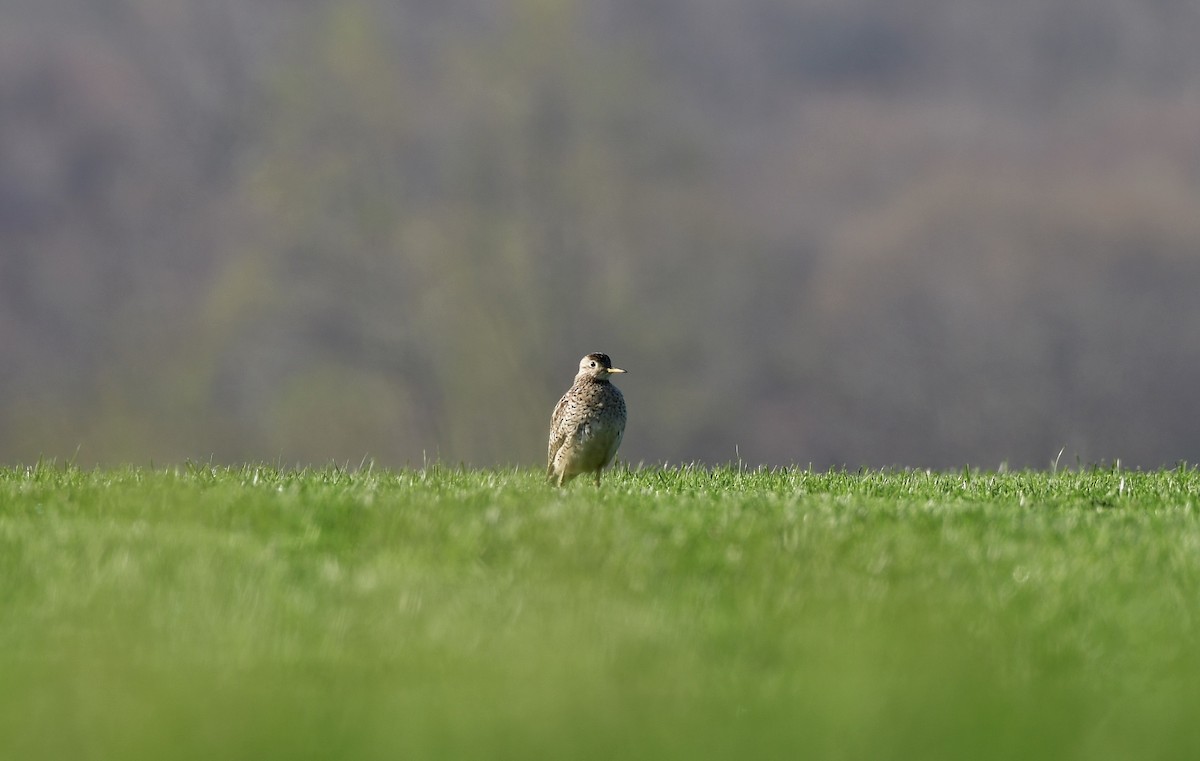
<point x="588" y="423"/>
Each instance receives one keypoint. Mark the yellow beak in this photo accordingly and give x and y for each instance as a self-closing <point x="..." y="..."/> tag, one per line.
<point x="615" y="370"/>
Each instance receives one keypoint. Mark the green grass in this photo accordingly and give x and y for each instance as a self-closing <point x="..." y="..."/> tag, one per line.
<point x="251" y="613"/>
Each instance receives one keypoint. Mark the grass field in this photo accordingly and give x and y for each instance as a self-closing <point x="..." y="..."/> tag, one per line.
<point x="242" y="613"/>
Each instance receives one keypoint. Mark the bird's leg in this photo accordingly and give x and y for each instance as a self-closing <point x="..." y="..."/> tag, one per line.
<point x="597" y="479"/>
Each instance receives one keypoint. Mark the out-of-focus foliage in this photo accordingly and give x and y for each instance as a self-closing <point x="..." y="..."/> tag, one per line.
<point x="920" y="232"/>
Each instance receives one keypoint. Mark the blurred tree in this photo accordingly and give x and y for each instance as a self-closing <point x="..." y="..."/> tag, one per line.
<point x="861" y="232"/>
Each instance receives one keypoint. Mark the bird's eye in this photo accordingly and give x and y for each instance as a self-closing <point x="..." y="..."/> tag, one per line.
<point x="593" y="364"/>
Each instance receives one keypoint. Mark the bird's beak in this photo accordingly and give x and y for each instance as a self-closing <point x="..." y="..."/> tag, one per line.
<point x="615" y="370"/>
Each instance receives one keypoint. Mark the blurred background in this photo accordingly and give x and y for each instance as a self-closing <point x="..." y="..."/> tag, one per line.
<point x="867" y="232"/>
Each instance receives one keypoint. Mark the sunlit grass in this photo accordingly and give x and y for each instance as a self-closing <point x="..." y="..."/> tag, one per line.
<point x="251" y="612"/>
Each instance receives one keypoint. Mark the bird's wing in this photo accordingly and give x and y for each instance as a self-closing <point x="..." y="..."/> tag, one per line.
<point x="558" y="432"/>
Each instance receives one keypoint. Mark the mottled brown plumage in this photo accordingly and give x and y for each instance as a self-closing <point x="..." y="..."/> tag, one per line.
<point x="588" y="423"/>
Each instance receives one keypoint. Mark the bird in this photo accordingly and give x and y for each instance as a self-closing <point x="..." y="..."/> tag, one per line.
<point x="588" y="423"/>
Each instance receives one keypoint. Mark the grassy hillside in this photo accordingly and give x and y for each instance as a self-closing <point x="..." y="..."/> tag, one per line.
<point x="257" y="613"/>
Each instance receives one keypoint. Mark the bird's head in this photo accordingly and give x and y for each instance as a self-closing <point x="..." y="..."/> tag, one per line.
<point x="596" y="366"/>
